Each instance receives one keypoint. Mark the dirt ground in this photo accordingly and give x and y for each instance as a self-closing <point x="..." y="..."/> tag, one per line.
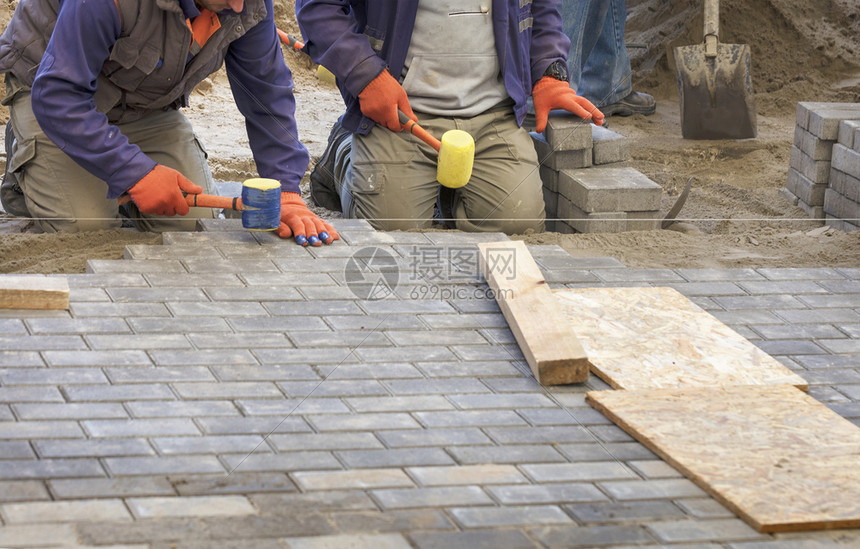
<point x="734" y="216"/>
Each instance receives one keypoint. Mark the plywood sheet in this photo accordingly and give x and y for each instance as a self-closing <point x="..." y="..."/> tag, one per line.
<point x="535" y="317"/>
<point x="641" y="338"/>
<point x="33" y="292"/>
<point x="775" y="456"/>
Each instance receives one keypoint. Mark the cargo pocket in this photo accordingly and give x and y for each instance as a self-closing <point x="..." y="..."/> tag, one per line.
<point x="11" y="195"/>
<point x="367" y="179"/>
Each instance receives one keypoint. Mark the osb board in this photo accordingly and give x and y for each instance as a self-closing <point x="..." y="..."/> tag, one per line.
<point x="33" y="292"/>
<point x="775" y="456"/>
<point x="643" y="338"/>
<point x="538" y="323"/>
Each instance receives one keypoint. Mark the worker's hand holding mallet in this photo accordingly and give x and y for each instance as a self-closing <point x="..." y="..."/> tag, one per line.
<point x="165" y="191"/>
<point x="384" y="100"/>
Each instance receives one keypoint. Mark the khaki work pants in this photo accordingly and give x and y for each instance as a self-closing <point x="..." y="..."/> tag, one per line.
<point x="391" y="178"/>
<point x="62" y="196"/>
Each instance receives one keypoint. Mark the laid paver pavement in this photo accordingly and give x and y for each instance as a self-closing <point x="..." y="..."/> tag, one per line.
<point x="230" y="389"/>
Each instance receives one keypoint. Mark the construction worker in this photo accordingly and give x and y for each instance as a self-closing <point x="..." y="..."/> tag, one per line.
<point x="598" y="61"/>
<point x="446" y="64"/>
<point x="94" y="89"/>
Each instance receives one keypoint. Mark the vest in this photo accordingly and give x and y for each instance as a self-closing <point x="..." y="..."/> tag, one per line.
<point x="154" y="36"/>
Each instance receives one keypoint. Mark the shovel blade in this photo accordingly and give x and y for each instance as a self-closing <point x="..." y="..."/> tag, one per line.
<point x="716" y="93"/>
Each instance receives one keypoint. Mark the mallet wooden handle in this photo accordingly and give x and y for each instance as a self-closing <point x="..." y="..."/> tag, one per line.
<point x="412" y="127"/>
<point x="202" y="201"/>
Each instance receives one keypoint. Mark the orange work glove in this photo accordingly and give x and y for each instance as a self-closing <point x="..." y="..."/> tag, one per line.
<point x="299" y="222"/>
<point x="381" y="99"/>
<point x="160" y="192"/>
<point x="549" y="94"/>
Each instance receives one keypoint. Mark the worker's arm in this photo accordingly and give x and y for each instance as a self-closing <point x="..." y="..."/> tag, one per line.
<point x="62" y="96"/>
<point x="262" y="87"/>
<point x="549" y="42"/>
<point x="332" y="41"/>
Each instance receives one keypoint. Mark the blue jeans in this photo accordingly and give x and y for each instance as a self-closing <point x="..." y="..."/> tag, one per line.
<point x="598" y="62"/>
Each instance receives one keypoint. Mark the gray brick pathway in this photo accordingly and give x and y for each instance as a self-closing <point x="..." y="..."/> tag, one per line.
<point x="229" y="389"/>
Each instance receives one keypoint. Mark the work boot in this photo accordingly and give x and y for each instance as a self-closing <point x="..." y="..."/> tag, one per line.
<point x="323" y="186"/>
<point x="634" y="103"/>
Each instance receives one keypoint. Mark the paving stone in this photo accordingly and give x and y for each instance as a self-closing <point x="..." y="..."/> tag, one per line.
<point x="41" y="343"/>
<point x="161" y="408"/>
<point x="609" y="189"/>
<point x="439" y="496"/>
<point x="653" y="469"/>
<point x="20" y="359"/>
<point x="51" y="376"/>
<point x="372" y="323"/>
<point x="506" y="454"/>
<point x="245" y="425"/>
<point x="175" y="325"/>
<point x="129" y="466"/>
<point x="235" y="483"/>
<point x="469" y="418"/>
<point x="22" y="490"/>
<point x="36" y="535"/>
<point x="86" y="488"/>
<point x="632" y="511"/>
<point x="522" y="515"/>
<point x="400" y="457"/>
<point x="253" y="293"/>
<point x="486" y="370"/>
<point x="93" y="448"/>
<point x="15" y="449"/>
<point x="286" y="324"/>
<point x="554" y="434"/>
<point x="809" y="316"/>
<point x="193" y="506"/>
<point x="401" y="438"/>
<point x="119" y="310"/>
<point x="25" y="469"/>
<point x="362" y="422"/>
<point x="44" y="429"/>
<point x="473" y="539"/>
<point x="391" y="521"/>
<point x="65" y="511"/>
<point x="687" y="530"/>
<point x="285" y="408"/>
<point x="140" y="427"/>
<point x="391" y="371"/>
<point x="577" y="472"/>
<point x="591" y="536"/>
<point x="790" y="347"/>
<point x="354" y="541"/>
<point x="466" y="474"/>
<point x="651" y="489"/>
<point x="563" y="416"/>
<point x="609" y="146"/>
<point x="798" y="331"/>
<point x="227" y="389"/>
<point x="558" y="159"/>
<point x="567" y="132"/>
<point x="364" y="479"/>
<point x="704" y="508"/>
<point x="74" y="326"/>
<point x="313" y="502"/>
<point x="223" y="444"/>
<point x="509" y="400"/>
<point x="399" y="403"/>
<point x="547" y="493"/>
<point x="292" y="461"/>
<point x="138" y="341"/>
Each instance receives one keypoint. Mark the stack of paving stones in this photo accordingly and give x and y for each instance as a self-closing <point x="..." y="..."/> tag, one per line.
<point x="842" y="198"/>
<point x="230" y="389"/>
<point x="816" y="134"/>
<point x="588" y="188"/>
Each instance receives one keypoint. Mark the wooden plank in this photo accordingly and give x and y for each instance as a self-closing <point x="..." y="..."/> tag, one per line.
<point x="33" y="292"/>
<point x="642" y="338"/>
<point x="549" y="344"/>
<point x="778" y="458"/>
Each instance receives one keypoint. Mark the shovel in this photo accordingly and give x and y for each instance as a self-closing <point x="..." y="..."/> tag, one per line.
<point x="715" y="85"/>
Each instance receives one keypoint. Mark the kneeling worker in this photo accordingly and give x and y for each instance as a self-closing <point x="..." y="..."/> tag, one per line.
<point x="459" y="65"/>
<point x="94" y="90"/>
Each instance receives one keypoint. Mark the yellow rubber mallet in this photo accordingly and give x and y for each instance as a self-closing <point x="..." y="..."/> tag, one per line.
<point x="456" y="152"/>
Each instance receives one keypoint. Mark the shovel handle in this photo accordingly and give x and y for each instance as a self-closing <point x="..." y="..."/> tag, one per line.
<point x="412" y="127"/>
<point x="712" y="27"/>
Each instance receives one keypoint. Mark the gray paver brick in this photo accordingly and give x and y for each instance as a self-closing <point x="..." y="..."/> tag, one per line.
<point x="44" y="429"/>
<point x="41" y="343"/>
<point x="244" y="425"/>
<point x="439" y="496"/>
<point x="287" y="324"/>
<point x="398" y="457"/>
<point x="285" y="462"/>
<point x="140" y="427"/>
<point x="86" y="488"/>
<point x="470" y="418"/>
<point x="473" y="539"/>
<point x="652" y="489"/>
<point x="273" y="372"/>
<point x="483" y="474"/>
<point x="236" y="483"/>
<point x="159" y="374"/>
<point x="577" y="472"/>
<point x="30" y="394"/>
<point x="523" y="515"/>
<point x="508" y="400"/>
<point x="227" y="389"/>
<point x="131" y="466"/>
<point x="23" y="490"/>
<point x="506" y="454"/>
<point x="362" y="422"/>
<point x="399" y="403"/>
<point x="364" y="479"/>
<point x="432" y="437"/>
<point x="20" y="359"/>
<point x="324" y="441"/>
<point x="103" y="393"/>
<point x="687" y="530"/>
<point x="222" y="444"/>
<point x="15" y="449"/>
<point x="551" y="434"/>
<point x="333" y="387"/>
<point x="392" y="521"/>
<point x="51" y="376"/>
<point x="65" y="511"/>
<point x="370" y="371"/>
<point x="481" y="369"/>
<point x="284" y="408"/>
<point x="175" y="325"/>
<point x="547" y="493"/>
<point x="176" y="408"/>
<point x="138" y="341"/>
<point x="591" y="536"/>
<point x="629" y="511"/>
<point x="436" y="386"/>
<point x="23" y="469"/>
<point x="92" y="448"/>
